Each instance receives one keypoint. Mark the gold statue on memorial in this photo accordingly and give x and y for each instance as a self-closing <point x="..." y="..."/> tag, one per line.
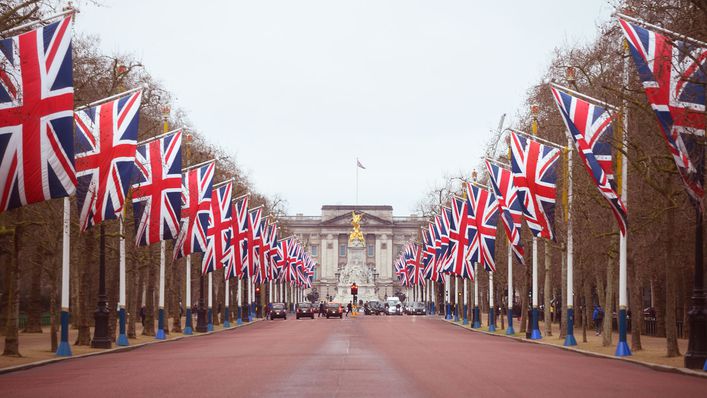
<point x="356" y="224"/>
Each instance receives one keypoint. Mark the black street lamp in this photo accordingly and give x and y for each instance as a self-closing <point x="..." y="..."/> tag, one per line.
<point x="201" y="324"/>
<point x="100" y="331"/>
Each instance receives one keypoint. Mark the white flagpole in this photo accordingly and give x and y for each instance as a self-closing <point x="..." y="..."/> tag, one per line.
<point x="210" y="313"/>
<point x="122" y="336"/>
<point x="64" y="349"/>
<point x="227" y="315"/>
<point x="492" y="310"/>
<point x="161" y="321"/>
<point x="476" y="322"/>
<point x="239" y="311"/>
<point x="456" y="298"/>
<point x="447" y="303"/>
<point x="187" y="300"/>
<point x="535" y="330"/>
<point x="622" y="349"/>
<point x="466" y="304"/>
<point x="510" y="330"/>
<point x="569" y="338"/>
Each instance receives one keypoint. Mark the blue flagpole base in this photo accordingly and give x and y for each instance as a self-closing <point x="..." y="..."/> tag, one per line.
<point x="64" y="349"/>
<point x="226" y="321"/>
<point x="456" y="313"/>
<point x="122" y="340"/>
<point x="122" y="337"/>
<point x="492" y="328"/>
<point x="535" y="331"/>
<point x="210" y="324"/>
<point x="188" y="328"/>
<point x="492" y="320"/>
<point x="536" y="335"/>
<point x="570" y="340"/>
<point x="622" y="350"/>
<point x="448" y="311"/>
<point x="510" y="331"/>
<point x="705" y="367"/>
<point x="239" y="320"/>
<point x="160" y="326"/>
<point x="477" y="321"/>
<point x="465" y="319"/>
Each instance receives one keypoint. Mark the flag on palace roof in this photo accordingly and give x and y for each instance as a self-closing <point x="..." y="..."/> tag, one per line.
<point x="106" y="140"/>
<point x="36" y="111"/>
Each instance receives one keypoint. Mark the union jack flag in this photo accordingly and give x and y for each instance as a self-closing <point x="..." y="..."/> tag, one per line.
<point x="590" y="128"/>
<point x="285" y="260"/>
<point x="157" y="189"/>
<point x="218" y="250"/>
<point x="674" y="74"/>
<point x="255" y="243"/>
<point x="240" y="238"/>
<point x="401" y="270"/>
<point x="36" y="110"/>
<point x="106" y="137"/>
<point x="511" y="209"/>
<point x="196" y="210"/>
<point x="534" y="175"/>
<point x="413" y="262"/>
<point x="266" y="249"/>
<point x="484" y="206"/>
<point x="442" y="224"/>
<point x="428" y="259"/>
<point x="461" y="233"/>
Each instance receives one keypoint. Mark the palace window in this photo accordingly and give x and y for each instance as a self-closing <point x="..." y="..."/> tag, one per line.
<point x="371" y="251"/>
<point x="342" y="250"/>
<point x="314" y="250"/>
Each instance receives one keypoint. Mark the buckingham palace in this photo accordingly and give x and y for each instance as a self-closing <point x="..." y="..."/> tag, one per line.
<point x="326" y="236"/>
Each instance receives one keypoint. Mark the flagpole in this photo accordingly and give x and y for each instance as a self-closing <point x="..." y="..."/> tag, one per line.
<point x="456" y="298"/>
<point x="239" y="319"/>
<point x="535" y="328"/>
<point x="356" y="183"/>
<point x="509" y="330"/>
<point x="188" y="326"/>
<point x="569" y="337"/>
<point x="67" y="11"/>
<point x="210" y="314"/>
<point x="476" y="321"/>
<point x="226" y="314"/>
<point x="492" y="310"/>
<point x="465" y="318"/>
<point x="122" y="337"/>
<point x="160" y="320"/>
<point x="447" y="304"/>
<point x="64" y="349"/>
<point x="622" y="349"/>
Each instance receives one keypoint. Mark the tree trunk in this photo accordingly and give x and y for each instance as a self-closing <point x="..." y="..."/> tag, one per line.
<point x="84" y="336"/>
<point x="176" y="294"/>
<point x="635" y="304"/>
<point x="34" y="307"/>
<point x="609" y="303"/>
<point x="54" y="301"/>
<point x="547" y="290"/>
<point x="12" y="341"/>
<point x="149" y="329"/>
<point x="659" y="303"/>
<point x="670" y="292"/>
<point x="134" y="297"/>
<point x="524" y="300"/>
<point x="588" y="305"/>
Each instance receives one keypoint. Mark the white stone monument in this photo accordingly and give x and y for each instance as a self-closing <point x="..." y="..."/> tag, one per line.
<point x="355" y="270"/>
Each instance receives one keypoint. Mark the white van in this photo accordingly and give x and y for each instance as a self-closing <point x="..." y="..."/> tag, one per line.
<point x="393" y="306"/>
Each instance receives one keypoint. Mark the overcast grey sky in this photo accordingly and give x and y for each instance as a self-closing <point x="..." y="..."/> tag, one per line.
<point x="298" y="89"/>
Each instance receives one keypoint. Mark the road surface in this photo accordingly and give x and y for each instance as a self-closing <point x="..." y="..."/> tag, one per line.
<point x="362" y="357"/>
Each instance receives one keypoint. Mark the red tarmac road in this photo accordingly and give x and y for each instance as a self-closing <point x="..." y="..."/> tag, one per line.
<point x="362" y="357"/>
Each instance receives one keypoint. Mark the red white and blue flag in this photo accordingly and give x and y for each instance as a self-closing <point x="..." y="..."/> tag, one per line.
<point x="461" y="233"/>
<point x="196" y="210"/>
<point x="255" y="242"/>
<point x="484" y="206"/>
<point x="240" y="238"/>
<point x="428" y="259"/>
<point x="534" y="175"/>
<point x="591" y="130"/>
<point x="36" y="111"/>
<point x="674" y="74"/>
<point x="219" y="253"/>
<point x="510" y="206"/>
<point x="106" y="140"/>
<point x="157" y="190"/>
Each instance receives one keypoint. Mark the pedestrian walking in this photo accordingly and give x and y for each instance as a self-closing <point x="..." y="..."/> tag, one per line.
<point x="348" y="309"/>
<point x="142" y="316"/>
<point x="321" y="309"/>
<point x="597" y="317"/>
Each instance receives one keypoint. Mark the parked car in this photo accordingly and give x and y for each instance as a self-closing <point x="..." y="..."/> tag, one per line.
<point x="417" y="308"/>
<point x="373" y="308"/>
<point x="334" y="309"/>
<point x="393" y="306"/>
<point x="279" y="310"/>
<point x="304" y="310"/>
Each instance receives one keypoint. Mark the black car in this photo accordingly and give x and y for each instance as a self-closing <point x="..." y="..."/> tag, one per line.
<point x="304" y="310"/>
<point x="373" y="308"/>
<point x="334" y="309"/>
<point x="417" y="308"/>
<point x="278" y="310"/>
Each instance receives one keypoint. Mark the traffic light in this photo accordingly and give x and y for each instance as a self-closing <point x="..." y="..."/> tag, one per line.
<point x="257" y="290"/>
<point x="354" y="289"/>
